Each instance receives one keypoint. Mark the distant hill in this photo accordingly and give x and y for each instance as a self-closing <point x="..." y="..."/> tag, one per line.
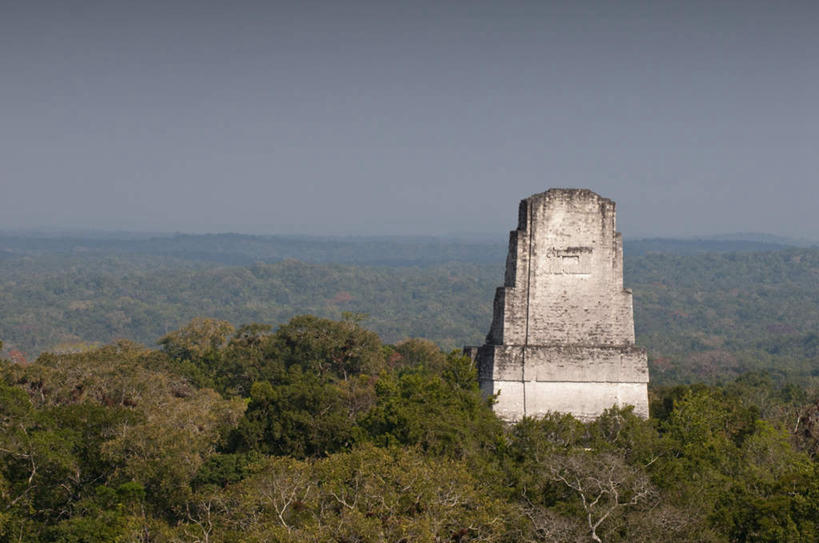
<point x="242" y="249"/>
<point x="766" y="238"/>
<point x="694" y="246"/>
<point x="705" y="309"/>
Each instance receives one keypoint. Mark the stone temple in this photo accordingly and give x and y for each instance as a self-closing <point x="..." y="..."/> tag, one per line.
<point x="562" y="335"/>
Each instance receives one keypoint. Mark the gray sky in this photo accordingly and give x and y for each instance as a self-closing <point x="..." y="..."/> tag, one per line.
<point x="416" y="117"/>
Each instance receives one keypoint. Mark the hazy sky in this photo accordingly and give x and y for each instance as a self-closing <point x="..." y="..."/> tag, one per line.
<point x="385" y="117"/>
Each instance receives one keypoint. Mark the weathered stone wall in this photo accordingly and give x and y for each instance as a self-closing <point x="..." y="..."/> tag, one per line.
<point x="562" y="334"/>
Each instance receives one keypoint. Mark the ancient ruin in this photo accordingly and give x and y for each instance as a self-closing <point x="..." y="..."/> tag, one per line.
<point x="562" y="335"/>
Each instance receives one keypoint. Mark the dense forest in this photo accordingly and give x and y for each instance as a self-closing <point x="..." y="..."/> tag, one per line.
<point x="236" y="417"/>
<point x="704" y="309"/>
<point x="317" y="431"/>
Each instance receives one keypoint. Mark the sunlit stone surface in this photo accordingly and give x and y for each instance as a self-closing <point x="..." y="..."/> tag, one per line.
<point x="562" y="335"/>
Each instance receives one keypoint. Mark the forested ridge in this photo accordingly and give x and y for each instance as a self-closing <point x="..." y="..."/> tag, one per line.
<point x="705" y="310"/>
<point x="317" y="431"/>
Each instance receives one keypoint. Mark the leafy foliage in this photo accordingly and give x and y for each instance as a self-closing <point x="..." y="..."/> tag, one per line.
<point x="341" y="438"/>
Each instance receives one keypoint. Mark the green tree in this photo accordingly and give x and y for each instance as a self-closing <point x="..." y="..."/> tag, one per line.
<point x="300" y="417"/>
<point x="367" y="494"/>
<point x="774" y="497"/>
<point x="443" y="413"/>
<point x="331" y="349"/>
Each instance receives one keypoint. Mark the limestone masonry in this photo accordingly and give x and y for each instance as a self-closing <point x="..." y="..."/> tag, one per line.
<point x="562" y="335"/>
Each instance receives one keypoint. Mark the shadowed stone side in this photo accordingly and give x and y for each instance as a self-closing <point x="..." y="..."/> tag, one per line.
<point x="562" y="333"/>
